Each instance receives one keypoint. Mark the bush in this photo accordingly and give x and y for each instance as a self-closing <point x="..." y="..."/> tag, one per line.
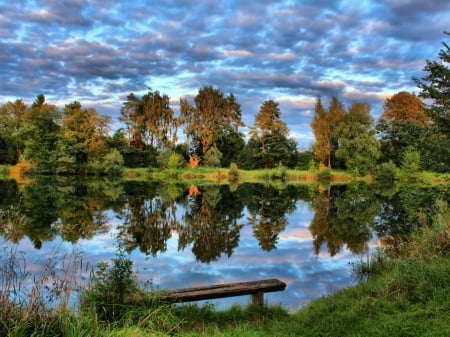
<point x="410" y="161"/>
<point x="175" y="161"/>
<point x="233" y="173"/>
<point x="109" y="287"/>
<point x="111" y="164"/>
<point x="212" y="157"/>
<point x="386" y="171"/>
<point x="324" y="174"/>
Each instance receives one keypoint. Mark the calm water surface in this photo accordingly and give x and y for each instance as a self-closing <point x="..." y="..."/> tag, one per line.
<point x="184" y="235"/>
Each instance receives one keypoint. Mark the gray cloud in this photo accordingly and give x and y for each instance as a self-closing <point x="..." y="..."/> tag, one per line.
<point x="292" y="51"/>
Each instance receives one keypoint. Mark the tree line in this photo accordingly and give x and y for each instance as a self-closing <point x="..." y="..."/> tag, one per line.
<point x="77" y="140"/>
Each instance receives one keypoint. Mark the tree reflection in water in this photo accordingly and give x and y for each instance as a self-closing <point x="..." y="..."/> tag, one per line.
<point x="208" y="222"/>
<point x="344" y="215"/>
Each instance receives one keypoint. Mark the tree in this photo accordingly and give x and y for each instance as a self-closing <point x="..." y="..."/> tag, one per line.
<point x="149" y="120"/>
<point x="435" y="87"/>
<point x="41" y="132"/>
<point x="83" y="139"/>
<point x="271" y="132"/>
<point x="323" y="124"/>
<point x="211" y="112"/>
<point x="131" y="114"/>
<point x="11" y="122"/>
<point x="229" y="142"/>
<point x="358" y="147"/>
<point x="402" y="125"/>
<point x="160" y="124"/>
<point x="213" y="157"/>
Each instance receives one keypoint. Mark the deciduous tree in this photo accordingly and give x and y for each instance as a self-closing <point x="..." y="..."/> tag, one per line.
<point x="211" y="112"/>
<point x="355" y="134"/>
<point x="402" y="125"/>
<point x="323" y="124"/>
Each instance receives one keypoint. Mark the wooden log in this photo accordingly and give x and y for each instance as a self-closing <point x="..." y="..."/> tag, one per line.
<point x="254" y="288"/>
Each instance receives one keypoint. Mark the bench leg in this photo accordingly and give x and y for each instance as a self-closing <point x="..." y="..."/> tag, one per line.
<point x="258" y="299"/>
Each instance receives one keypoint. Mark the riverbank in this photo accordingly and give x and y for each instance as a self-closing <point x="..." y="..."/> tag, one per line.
<point x="407" y="293"/>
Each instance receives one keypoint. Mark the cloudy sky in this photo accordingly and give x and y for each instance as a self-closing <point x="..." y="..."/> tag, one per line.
<point x="98" y="51"/>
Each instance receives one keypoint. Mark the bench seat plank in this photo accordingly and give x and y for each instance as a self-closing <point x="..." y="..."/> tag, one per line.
<point x="223" y="290"/>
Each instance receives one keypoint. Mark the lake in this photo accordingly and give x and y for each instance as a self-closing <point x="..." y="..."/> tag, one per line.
<point x="186" y="235"/>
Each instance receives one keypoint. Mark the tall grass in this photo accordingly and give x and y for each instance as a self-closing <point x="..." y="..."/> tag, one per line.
<point x="33" y="303"/>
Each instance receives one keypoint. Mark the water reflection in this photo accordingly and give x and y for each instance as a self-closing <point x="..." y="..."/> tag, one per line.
<point x="210" y="219"/>
<point x="344" y="215"/>
<point x="185" y="235"/>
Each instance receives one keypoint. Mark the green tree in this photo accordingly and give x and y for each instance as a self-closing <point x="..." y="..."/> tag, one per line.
<point x="11" y="139"/>
<point x="41" y="132"/>
<point x="211" y="112"/>
<point x="229" y="142"/>
<point x="435" y="88"/>
<point x="271" y="132"/>
<point x="213" y="157"/>
<point x="358" y="147"/>
<point x="410" y="163"/>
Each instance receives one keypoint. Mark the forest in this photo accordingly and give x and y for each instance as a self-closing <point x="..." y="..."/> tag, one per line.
<point x="413" y="132"/>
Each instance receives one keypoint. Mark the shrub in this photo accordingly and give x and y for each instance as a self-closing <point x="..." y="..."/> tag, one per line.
<point x="233" y="173"/>
<point x="386" y="171"/>
<point x="212" y="157"/>
<point x="175" y="161"/>
<point x="111" y="164"/>
<point x="324" y="174"/>
<point x="109" y="287"/>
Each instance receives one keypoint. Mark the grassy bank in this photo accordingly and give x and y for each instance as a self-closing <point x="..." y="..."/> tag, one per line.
<point x="407" y="293"/>
<point x="223" y="176"/>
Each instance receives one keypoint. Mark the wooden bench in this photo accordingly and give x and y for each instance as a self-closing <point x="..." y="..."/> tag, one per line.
<point x="254" y="288"/>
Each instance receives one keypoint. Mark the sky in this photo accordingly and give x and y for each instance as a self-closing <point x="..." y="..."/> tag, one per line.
<point x="98" y="51"/>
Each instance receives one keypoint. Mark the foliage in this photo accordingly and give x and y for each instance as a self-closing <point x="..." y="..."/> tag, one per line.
<point x="323" y="125"/>
<point x="434" y="88"/>
<point x="357" y="145"/>
<point x="11" y="139"/>
<point x="233" y="173"/>
<point x="229" y="142"/>
<point x="111" y="164"/>
<point x="411" y="161"/>
<point x="269" y="134"/>
<point x="211" y="112"/>
<point x="386" y="171"/>
<point x="149" y="120"/>
<point x="108" y="288"/>
<point x="402" y="125"/>
<point x="41" y="134"/>
<point x="175" y="161"/>
<point x="212" y="157"/>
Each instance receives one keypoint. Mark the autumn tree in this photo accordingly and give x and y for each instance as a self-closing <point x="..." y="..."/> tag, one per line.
<point x="355" y="135"/>
<point x="323" y="124"/>
<point x="271" y="132"/>
<point x="402" y="125"/>
<point x="83" y="139"/>
<point x="132" y="116"/>
<point x="435" y="88"/>
<point x="210" y="113"/>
